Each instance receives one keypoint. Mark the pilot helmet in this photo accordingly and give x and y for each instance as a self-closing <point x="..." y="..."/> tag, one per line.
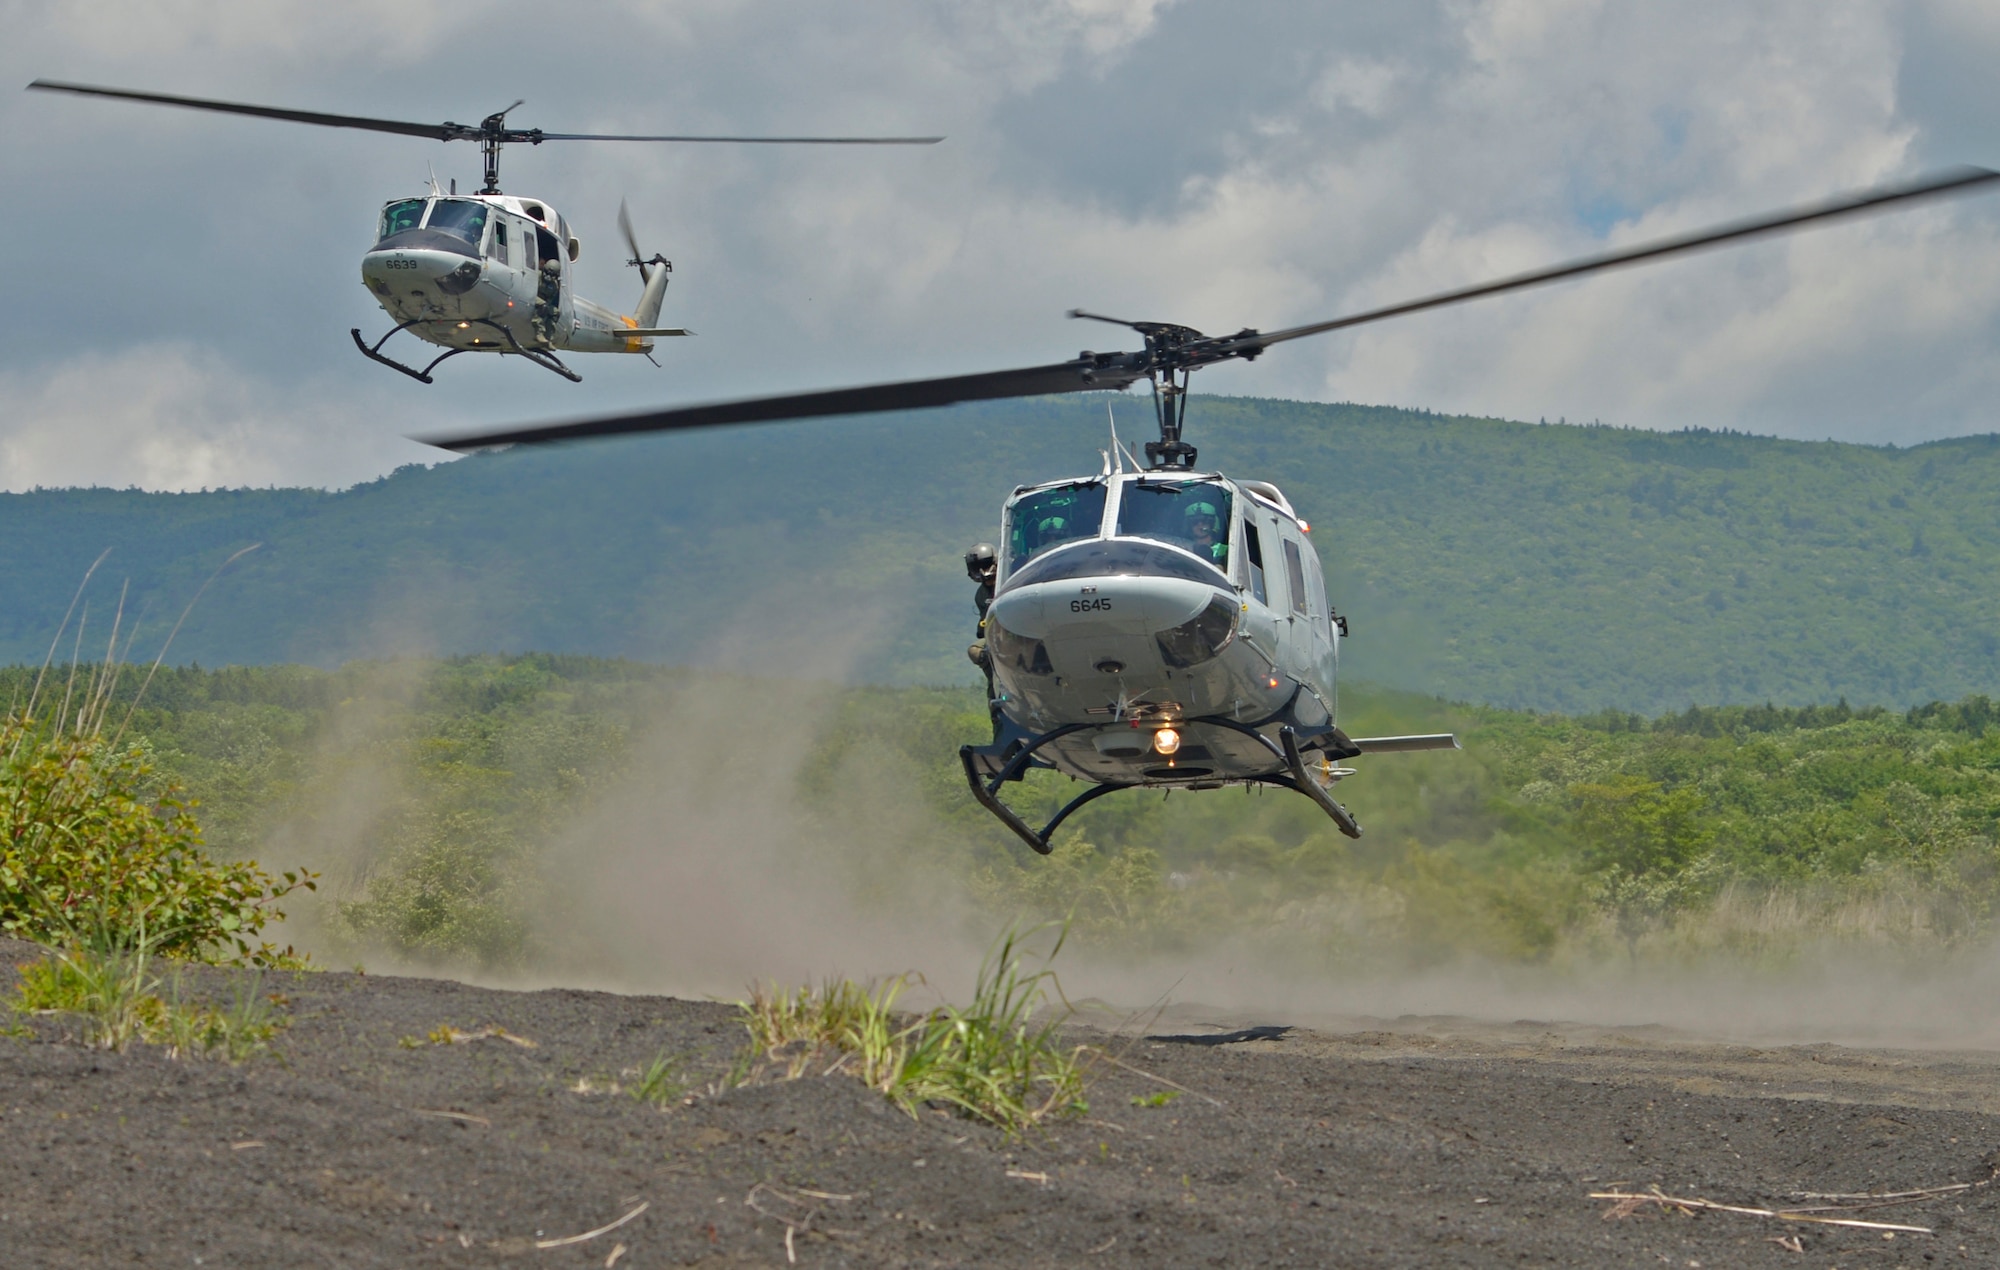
<point x="980" y="560"/>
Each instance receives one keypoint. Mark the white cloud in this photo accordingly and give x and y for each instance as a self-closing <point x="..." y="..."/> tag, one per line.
<point x="1356" y="84"/>
<point x="172" y="417"/>
<point x="174" y="35"/>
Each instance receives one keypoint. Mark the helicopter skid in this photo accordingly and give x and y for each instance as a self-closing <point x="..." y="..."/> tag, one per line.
<point x="547" y="361"/>
<point x="988" y="768"/>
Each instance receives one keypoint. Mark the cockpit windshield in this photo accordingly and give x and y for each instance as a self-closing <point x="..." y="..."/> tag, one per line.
<point x="1050" y="518"/>
<point x="1190" y="514"/>
<point x="399" y="216"/>
<point x="460" y="217"/>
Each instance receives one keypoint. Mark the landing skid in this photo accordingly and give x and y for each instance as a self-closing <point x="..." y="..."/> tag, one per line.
<point x="547" y="361"/>
<point x="1018" y="755"/>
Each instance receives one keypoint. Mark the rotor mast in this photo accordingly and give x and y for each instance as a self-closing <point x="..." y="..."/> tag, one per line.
<point x="491" y="134"/>
<point x="1173" y="353"/>
<point x="1170" y="409"/>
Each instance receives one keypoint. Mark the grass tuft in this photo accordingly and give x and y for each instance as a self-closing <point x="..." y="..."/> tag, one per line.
<point x="110" y="990"/>
<point x="114" y="992"/>
<point x="999" y="1058"/>
<point x="663" y="1082"/>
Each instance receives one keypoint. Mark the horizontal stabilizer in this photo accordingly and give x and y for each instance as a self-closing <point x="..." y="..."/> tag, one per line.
<point x="1401" y="744"/>
<point x="654" y="330"/>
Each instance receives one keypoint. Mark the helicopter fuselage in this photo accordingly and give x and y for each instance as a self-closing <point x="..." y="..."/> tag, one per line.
<point x="491" y="273"/>
<point x="1143" y="609"/>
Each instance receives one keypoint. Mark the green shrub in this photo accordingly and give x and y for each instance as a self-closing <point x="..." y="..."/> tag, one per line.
<point x="97" y="850"/>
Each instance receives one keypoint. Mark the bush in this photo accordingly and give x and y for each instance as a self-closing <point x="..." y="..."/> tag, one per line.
<point x="98" y="851"/>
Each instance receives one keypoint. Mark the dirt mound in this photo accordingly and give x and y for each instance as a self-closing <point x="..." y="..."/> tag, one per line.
<point x="1409" y="1143"/>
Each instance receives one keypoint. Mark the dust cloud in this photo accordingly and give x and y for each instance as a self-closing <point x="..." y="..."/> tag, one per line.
<point x="706" y="869"/>
<point x="350" y="792"/>
<point x="1843" y="996"/>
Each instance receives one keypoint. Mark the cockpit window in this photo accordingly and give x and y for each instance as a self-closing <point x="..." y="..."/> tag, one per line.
<point x="1049" y="519"/>
<point x="461" y="217"/>
<point x="397" y="217"/>
<point x="1189" y="514"/>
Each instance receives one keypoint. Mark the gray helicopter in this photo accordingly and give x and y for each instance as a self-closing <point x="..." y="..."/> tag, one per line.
<point x="1167" y="627"/>
<point x="488" y="272"/>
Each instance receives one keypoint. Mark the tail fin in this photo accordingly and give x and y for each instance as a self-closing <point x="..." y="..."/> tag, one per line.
<point x="655" y="293"/>
<point x="655" y="273"/>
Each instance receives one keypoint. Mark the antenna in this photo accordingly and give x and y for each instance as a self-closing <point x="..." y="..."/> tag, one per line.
<point x="1117" y="446"/>
<point x="436" y="189"/>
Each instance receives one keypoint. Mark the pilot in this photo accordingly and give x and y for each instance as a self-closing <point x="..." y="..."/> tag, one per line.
<point x="1204" y="531"/>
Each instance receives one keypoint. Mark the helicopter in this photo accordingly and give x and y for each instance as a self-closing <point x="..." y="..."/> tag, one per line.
<point x="1166" y="627"/>
<point x="488" y="272"/>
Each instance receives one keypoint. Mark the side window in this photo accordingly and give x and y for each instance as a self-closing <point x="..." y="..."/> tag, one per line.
<point x="499" y="250"/>
<point x="1295" y="576"/>
<point x="1253" y="546"/>
<point x="1317" y="580"/>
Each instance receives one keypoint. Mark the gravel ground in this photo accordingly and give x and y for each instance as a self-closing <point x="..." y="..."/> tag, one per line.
<point x="1414" y="1142"/>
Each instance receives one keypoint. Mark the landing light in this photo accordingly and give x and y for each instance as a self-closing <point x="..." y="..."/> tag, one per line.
<point x="1166" y="741"/>
<point x="463" y="325"/>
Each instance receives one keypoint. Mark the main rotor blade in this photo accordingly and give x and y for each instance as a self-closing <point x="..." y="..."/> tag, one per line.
<point x="444" y="131"/>
<point x="754" y="141"/>
<point x="1952" y="181"/>
<point x="437" y="132"/>
<point x="915" y="394"/>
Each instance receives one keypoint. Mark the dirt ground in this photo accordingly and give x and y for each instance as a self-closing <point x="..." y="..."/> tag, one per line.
<point x="1413" y="1142"/>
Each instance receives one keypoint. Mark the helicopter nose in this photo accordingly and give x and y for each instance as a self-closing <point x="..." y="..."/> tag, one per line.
<point x="403" y="272"/>
<point x="1081" y="607"/>
<point x="1126" y="628"/>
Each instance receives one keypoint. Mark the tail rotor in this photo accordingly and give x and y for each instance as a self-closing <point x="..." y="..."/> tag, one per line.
<point x="644" y="263"/>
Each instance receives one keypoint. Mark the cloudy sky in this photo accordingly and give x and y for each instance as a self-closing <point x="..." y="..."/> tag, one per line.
<point x="180" y="286"/>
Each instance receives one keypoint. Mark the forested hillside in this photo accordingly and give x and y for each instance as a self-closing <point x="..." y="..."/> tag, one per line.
<point x="1551" y="567"/>
<point x="507" y="812"/>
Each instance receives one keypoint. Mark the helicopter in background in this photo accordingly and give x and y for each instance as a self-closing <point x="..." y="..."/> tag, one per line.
<point x="1167" y="627"/>
<point x="488" y="272"/>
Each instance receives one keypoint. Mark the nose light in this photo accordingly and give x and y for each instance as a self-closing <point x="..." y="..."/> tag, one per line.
<point x="1167" y="741"/>
<point x="1202" y="637"/>
<point x="460" y="280"/>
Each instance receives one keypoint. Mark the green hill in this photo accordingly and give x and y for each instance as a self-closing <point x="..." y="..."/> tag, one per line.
<point x="1550" y="567"/>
